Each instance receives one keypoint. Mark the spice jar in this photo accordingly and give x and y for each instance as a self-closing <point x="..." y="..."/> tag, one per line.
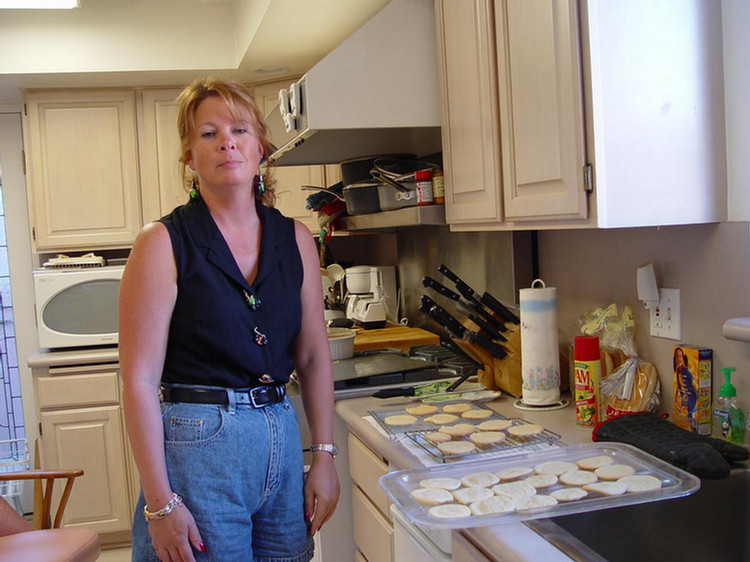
<point x="438" y="187"/>
<point x="423" y="179"/>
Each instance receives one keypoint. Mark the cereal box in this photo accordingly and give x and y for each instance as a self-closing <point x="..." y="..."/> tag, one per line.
<point x="692" y="370"/>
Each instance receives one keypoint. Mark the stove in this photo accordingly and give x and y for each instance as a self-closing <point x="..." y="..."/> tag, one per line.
<point x="370" y="371"/>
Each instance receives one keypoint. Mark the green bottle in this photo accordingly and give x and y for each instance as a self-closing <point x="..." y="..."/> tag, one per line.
<point x="728" y="420"/>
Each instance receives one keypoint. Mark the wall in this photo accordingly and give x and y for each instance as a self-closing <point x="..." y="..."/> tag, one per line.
<point x="710" y="264"/>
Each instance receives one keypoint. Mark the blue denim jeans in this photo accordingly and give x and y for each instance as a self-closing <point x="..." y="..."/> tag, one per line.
<point x="239" y="470"/>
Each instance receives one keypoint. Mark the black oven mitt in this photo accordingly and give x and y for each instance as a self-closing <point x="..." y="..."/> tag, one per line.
<point x="703" y="456"/>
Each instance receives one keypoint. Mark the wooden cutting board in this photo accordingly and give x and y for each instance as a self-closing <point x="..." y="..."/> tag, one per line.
<point x="394" y="337"/>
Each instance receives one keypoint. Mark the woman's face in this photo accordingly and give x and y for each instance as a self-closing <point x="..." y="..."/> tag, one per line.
<point x="225" y="150"/>
<point x="679" y="357"/>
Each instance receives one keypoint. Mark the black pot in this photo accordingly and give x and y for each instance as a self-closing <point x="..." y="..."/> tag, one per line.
<point x="357" y="170"/>
<point x="362" y="198"/>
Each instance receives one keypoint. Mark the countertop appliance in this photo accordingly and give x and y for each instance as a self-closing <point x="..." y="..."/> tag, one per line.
<point x="77" y="307"/>
<point x="371" y="298"/>
<point x="375" y="93"/>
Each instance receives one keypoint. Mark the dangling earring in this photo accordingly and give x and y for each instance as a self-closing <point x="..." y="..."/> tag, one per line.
<point x="193" y="189"/>
<point x="260" y="188"/>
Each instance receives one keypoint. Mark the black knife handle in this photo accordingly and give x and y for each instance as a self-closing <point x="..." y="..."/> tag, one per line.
<point x="489" y="317"/>
<point x="484" y="326"/>
<point x="495" y="349"/>
<point x="454" y="326"/>
<point x="498" y="308"/>
<point x="439" y="315"/>
<point x="467" y="292"/>
<point x="440" y="288"/>
<point x="449" y="274"/>
<point x="391" y="392"/>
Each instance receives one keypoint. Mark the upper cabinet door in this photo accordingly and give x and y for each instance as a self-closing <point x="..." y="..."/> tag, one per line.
<point x="83" y="169"/>
<point x="470" y="128"/>
<point x="161" y="180"/>
<point x="541" y="109"/>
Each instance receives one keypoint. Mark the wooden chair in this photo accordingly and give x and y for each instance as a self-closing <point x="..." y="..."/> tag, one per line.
<point x="47" y="542"/>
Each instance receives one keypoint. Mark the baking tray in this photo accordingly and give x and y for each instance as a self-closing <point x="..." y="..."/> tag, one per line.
<point x="675" y="483"/>
<point x="398" y="431"/>
<point x="511" y="445"/>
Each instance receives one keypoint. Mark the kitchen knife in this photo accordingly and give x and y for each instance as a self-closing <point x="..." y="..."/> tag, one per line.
<point x="442" y="317"/>
<point x="495" y="349"/>
<point x="498" y="308"/>
<point x="485" y="327"/>
<point x="467" y="292"/>
<point x="437" y="313"/>
<point x="467" y="308"/>
<point x="429" y="282"/>
<point x="487" y="300"/>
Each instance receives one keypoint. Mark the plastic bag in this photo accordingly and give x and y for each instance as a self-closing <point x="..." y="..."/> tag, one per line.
<point x="628" y="384"/>
<point x="632" y="387"/>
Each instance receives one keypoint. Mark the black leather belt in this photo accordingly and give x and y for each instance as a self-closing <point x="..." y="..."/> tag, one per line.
<point x="257" y="397"/>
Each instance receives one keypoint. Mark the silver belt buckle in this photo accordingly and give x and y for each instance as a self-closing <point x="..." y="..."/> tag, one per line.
<point x="251" y="393"/>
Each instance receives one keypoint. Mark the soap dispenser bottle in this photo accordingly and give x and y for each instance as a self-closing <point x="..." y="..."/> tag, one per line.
<point x="728" y="420"/>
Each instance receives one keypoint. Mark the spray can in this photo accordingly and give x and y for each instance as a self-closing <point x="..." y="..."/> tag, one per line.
<point x="587" y="365"/>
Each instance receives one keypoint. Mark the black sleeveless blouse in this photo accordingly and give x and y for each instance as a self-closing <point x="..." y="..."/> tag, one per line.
<point x="217" y="337"/>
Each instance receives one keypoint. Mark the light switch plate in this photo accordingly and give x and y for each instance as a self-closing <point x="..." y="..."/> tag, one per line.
<point x="666" y="319"/>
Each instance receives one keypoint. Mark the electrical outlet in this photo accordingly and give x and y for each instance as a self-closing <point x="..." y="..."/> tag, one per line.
<point x="666" y="320"/>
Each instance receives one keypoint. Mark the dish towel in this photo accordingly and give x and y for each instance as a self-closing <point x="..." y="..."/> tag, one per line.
<point x="540" y="357"/>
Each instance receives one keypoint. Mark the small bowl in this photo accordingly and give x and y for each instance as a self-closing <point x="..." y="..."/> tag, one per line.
<point x="341" y="342"/>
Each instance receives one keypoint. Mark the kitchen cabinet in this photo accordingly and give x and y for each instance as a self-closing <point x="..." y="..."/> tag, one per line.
<point x="291" y="200"/>
<point x="550" y="123"/>
<point x="82" y="166"/>
<point x="81" y="426"/>
<point x="373" y="528"/>
<point x="162" y="187"/>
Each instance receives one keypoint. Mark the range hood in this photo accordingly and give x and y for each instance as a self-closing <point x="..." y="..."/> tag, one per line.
<point x="375" y="93"/>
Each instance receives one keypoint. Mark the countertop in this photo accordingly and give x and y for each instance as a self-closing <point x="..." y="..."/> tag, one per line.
<point x="511" y="542"/>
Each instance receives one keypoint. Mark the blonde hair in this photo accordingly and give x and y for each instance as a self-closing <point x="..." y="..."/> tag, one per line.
<point x="238" y="99"/>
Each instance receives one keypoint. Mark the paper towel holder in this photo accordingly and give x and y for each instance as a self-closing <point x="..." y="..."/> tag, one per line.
<point x="648" y="292"/>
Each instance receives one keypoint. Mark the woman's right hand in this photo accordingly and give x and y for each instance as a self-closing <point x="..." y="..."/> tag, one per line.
<point x="174" y="536"/>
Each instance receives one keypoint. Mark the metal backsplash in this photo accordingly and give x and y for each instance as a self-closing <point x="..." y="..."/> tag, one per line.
<point x="497" y="262"/>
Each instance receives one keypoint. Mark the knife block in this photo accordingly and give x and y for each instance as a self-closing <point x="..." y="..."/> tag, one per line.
<point x="499" y="374"/>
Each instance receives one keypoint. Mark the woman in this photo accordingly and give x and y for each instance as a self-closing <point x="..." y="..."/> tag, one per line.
<point x="221" y="296"/>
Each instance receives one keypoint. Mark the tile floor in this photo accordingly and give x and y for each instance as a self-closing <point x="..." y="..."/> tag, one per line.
<point x="115" y="555"/>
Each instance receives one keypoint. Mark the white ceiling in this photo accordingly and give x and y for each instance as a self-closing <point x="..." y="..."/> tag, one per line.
<point x="169" y="42"/>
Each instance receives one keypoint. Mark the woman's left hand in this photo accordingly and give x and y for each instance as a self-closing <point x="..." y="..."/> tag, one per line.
<point x="321" y="491"/>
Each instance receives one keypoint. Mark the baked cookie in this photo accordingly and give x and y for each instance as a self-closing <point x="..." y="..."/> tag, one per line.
<point x="443" y="483"/>
<point x="468" y="496"/>
<point x="513" y="473"/>
<point x="457" y="408"/>
<point x="479" y="480"/>
<point x="441" y="419"/>
<point x="420" y="410"/>
<point x="614" y="471"/>
<point x="494" y="425"/>
<point x="493" y="504"/>
<point x="449" y="511"/>
<point x="400" y="419"/>
<point x="432" y="496"/>
<point x="456" y="447"/>
<point x="484" y="438"/>
<point x="476" y="414"/>
<point x="458" y="430"/>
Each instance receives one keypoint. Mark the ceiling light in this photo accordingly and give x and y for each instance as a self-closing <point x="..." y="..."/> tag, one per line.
<point x="38" y="4"/>
<point x="271" y="70"/>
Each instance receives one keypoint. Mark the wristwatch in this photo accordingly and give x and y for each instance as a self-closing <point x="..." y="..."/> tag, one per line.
<point x="330" y="448"/>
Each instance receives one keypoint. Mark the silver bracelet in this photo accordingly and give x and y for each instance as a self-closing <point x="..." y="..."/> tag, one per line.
<point x="330" y="448"/>
<point x="164" y="511"/>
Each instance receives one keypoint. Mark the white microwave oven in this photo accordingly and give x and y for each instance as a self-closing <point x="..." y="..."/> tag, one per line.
<point x="77" y="307"/>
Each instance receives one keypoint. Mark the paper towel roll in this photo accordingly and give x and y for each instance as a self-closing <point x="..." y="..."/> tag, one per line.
<point x="540" y="357"/>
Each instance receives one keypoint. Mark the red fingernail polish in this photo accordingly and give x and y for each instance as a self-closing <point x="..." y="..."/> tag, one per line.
<point x="307" y="516"/>
<point x="202" y="547"/>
